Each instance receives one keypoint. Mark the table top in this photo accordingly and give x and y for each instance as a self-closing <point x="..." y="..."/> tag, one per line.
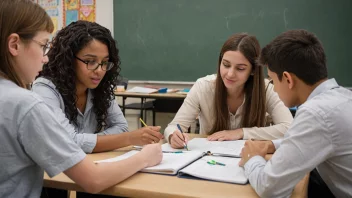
<point x="155" y="185"/>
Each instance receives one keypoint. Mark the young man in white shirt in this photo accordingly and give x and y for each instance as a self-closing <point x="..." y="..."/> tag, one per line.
<point x="320" y="135"/>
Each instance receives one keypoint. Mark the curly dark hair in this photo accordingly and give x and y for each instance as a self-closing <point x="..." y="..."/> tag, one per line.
<point x="61" y="70"/>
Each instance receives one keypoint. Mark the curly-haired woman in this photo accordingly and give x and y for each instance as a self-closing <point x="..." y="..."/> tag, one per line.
<point x="77" y="84"/>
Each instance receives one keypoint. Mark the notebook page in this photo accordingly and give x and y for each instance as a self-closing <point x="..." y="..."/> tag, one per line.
<point x="230" y="173"/>
<point x="232" y="148"/>
<point x="170" y="164"/>
<point x="174" y="161"/>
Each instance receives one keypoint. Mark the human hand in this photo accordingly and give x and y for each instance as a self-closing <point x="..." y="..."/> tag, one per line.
<point x="252" y="148"/>
<point x="178" y="140"/>
<point x="226" y="135"/>
<point x="152" y="154"/>
<point x="146" y="135"/>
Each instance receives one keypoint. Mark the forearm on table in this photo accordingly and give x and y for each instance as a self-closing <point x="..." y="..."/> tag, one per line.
<point x="111" y="142"/>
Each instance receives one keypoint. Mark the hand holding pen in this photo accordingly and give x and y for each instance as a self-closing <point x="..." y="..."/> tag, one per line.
<point x="179" y="139"/>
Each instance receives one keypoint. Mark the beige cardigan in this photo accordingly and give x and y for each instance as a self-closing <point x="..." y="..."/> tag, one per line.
<point x="200" y="101"/>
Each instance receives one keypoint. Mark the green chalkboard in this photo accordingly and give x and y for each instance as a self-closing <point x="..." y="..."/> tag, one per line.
<point x="179" y="40"/>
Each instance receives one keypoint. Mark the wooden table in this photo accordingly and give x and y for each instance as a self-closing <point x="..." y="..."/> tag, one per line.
<point x="154" y="185"/>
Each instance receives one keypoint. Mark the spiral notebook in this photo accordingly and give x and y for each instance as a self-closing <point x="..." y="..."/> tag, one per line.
<point x="230" y="172"/>
<point x="170" y="164"/>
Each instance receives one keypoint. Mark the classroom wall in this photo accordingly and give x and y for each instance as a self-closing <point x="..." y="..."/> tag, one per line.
<point x="105" y="14"/>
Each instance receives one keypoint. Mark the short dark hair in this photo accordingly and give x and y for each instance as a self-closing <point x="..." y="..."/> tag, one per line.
<point x="296" y="51"/>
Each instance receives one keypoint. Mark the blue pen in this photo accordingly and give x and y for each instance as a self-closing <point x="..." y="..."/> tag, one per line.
<point x="172" y="151"/>
<point x="184" y="139"/>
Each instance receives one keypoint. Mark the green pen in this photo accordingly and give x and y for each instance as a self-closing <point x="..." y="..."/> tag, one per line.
<point x="213" y="162"/>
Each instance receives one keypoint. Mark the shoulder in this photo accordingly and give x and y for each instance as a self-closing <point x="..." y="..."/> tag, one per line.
<point x="330" y="102"/>
<point x="21" y="99"/>
<point x="44" y="86"/>
<point x="207" y="82"/>
<point x="44" y="81"/>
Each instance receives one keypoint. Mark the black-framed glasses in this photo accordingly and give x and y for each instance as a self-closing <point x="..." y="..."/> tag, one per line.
<point x="46" y="46"/>
<point x="93" y="65"/>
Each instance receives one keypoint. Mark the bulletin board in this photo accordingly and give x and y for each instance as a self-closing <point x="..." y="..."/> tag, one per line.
<point x="74" y="10"/>
<point x="64" y="12"/>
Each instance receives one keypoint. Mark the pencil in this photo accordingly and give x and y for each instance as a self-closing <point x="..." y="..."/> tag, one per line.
<point x="144" y="124"/>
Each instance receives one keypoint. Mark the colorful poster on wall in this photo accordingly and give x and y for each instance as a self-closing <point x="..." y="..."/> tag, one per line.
<point x="71" y="16"/>
<point x="71" y="4"/>
<point x="64" y="12"/>
<point x="53" y="8"/>
<point x="78" y="10"/>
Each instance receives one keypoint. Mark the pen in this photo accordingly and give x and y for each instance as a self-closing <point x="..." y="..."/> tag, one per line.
<point x="144" y="124"/>
<point x="172" y="151"/>
<point x="184" y="139"/>
<point x="221" y="154"/>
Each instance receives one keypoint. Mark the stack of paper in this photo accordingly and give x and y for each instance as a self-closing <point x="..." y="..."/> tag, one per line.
<point x="142" y="90"/>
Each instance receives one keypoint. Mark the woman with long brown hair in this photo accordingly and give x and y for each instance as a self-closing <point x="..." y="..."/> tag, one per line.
<point x="236" y="103"/>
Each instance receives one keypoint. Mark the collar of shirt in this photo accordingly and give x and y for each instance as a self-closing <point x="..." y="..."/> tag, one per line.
<point x="324" y="86"/>
<point x="89" y="104"/>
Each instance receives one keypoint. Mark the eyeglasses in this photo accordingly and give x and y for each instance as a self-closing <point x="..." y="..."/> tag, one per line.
<point x="92" y="65"/>
<point x="46" y="47"/>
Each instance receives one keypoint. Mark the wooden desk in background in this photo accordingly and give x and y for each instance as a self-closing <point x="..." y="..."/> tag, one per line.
<point x="164" y="102"/>
<point x="154" y="185"/>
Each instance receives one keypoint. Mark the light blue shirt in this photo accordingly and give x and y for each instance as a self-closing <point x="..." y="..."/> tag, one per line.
<point x="31" y="139"/>
<point x="319" y="137"/>
<point x="84" y="132"/>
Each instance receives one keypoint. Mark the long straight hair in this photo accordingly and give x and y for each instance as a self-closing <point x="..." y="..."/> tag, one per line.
<point x="254" y="110"/>
<point x="24" y="18"/>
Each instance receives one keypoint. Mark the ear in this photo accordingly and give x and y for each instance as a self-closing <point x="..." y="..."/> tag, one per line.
<point x="14" y="44"/>
<point x="289" y="79"/>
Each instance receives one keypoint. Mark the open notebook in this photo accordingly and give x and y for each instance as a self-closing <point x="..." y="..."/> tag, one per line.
<point x="224" y="148"/>
<point x="230" y="173"/>
<point x="170" y="165"/>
